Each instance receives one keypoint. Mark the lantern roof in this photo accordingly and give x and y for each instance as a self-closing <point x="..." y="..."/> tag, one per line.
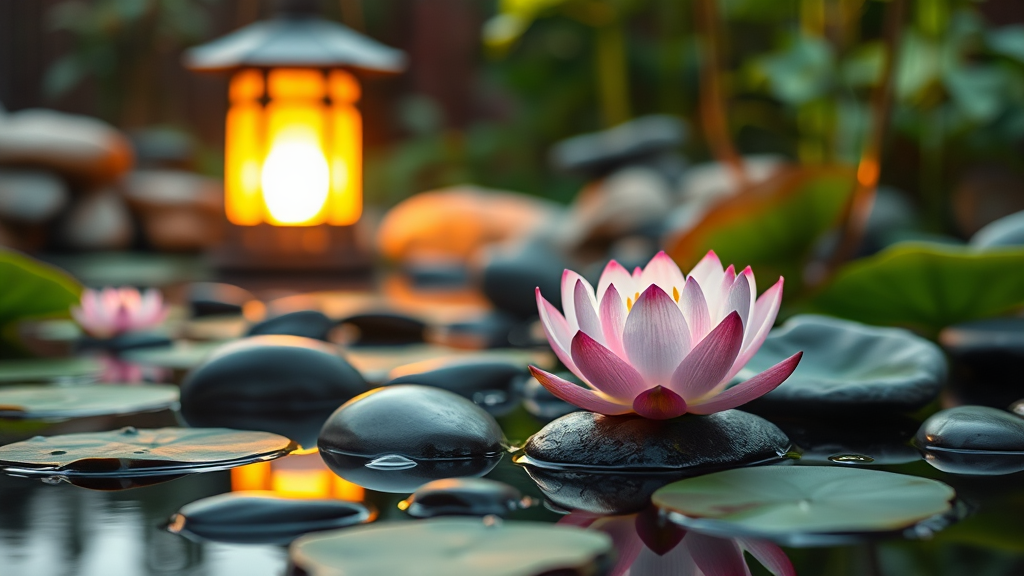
<point x="295" y="39"/>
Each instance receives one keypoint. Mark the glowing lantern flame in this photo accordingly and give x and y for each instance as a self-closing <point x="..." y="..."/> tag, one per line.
<point x="295" y="179"/>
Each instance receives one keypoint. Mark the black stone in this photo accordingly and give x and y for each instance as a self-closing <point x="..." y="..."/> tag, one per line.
<point x="986" y="353"/>
<point x="492" y="330"/>
<point x="1006" y="231"/>
<point x="494" y="385"/>
<point x="250" y="519"/>
<point x="215" y="299"/>
<point x="973" y="440"/>
<point x="386" y="329"/>
<point x="463" y="497"/>
<point x="689" y="443"/>
<point x="402" y="436"/>
<point x="848" y="367"/>
<point x="283" y="384"/>
<point x="306" y="323"/>
<point x="511" y="274"/>
<point x="642" y="140"/>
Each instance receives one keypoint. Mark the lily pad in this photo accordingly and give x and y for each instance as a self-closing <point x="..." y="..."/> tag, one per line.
<point x="847" y="366"/>
<point x="804" y="505"/>
<point x="926" y="286"/>
<point x="772" y="225"/>
<point x="41" y="402"/>
<point x="180" y="355"/>
<point x="257" y="518"/>
<point x="446" y="546"/>
<point x="49" y="369"/>
<point x="130" y="452"/>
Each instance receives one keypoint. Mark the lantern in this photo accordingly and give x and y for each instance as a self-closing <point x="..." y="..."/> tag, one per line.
<point x="293" y="151"/>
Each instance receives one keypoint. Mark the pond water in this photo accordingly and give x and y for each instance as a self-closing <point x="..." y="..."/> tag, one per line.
<point x="68" y="530"/>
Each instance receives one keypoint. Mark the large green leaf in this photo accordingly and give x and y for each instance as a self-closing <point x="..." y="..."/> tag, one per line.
<point x="31" y="289"/>
<point x="926" y="286"/>
<point x="770" y="226"/>
<point x="803" y="504"/>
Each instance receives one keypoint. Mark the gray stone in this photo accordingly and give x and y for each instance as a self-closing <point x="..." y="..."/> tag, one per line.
<point x="628" y="201"/>
<point x="79" y="148"/>
<point x="638" y="140"/>
<point x="718" y="441"/>
<point x="1006" y="231"/>
<point x="511" y="273"/>
<point x="463" y="497"/>
<point x="180" y="211"/>
<point x="973" y="440"/>
<point x="848" y="367"/>
<point x="31" y="196"/>
<point x="99" y="220"/>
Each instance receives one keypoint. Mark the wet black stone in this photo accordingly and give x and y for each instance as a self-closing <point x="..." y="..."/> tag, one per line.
<point x="306" y="323"/>
<point x="847" y="367"/>
<point x="401" y="475"/>
<point x="418" y="422"/>
<point x="692" y="443"/>
<point x="125" y="342"/>
<point x="214" y="298"/>
<point x="640" y="140"/>
<point x="986" y="353"/>
<point x="510" y="276"/>
<point x="385" y="329"/>
<point x="494" y="385"/>
<point x="283" y="384"/>
<point x="251" y="519"/>
<point x="463" y="497"/>
<point x="973" y="440"/>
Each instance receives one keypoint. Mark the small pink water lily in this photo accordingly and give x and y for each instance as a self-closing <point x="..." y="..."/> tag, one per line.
<point x="112" y="311"/>
<point x="661" y="344"/>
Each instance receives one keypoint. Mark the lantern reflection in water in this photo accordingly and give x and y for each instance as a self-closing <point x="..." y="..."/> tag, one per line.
<point x="300" y="476"/>
<point x="293" y="155"/>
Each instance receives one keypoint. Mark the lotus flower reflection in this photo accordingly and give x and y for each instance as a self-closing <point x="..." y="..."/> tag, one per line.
<point x="112" y="311"/>
<point x="660" y="344"/>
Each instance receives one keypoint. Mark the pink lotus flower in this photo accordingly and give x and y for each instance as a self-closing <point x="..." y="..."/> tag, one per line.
<point x="113" y="311"/>
<point x="660" y="344"/>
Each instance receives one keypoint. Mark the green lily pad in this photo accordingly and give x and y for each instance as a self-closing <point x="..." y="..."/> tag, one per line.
<point x="49" y="369"/>
<point x="181" y="355"/>
<point x="41" y="402"/>
<point x="803" y="505"/>
<point x="130" y="452"/>
<point x="445" y="546"/>
<point x="926" y="286"/>
<point x="772" y="226"/>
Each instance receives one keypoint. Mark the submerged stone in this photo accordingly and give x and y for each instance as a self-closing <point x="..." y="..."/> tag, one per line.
<point x="306" y="323"/>
<point x="385" y="329"/>
<point x="848" y="366"/>
<point x="493" y="384"/>
<point x="605" y="493"/>
<point x="283" y="384"/>
<point x="691" y="443"/>
<point x="263" y="519"/>
<point x="462" y="497"/>
<point x="975" y="440"/>
<point x="399" y="437"/>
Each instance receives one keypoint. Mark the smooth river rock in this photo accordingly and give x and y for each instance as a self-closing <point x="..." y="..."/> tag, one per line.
<point x="215" y="298"/>
<point x="848" y="367"/>
<point x="463" y="497"/>
<point x="284" y="384"/>
<point x="306" y="323"/>
<point x="31" y="196"/>
<point x="692" y="443"/>
<point x="494" y="385"/>
<point x="396" y="438"/>
<point x="975" y="440"/>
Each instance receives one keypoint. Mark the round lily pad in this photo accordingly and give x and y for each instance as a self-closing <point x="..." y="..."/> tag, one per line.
<point x="804" y="505"/>
<point x="178" y="356"/>
<point x="49" y="369"/>
<point x="848" y="366"/>
<point x="446" y="546"/>
<point x="257" y="518"/>
<point x="130" y="452"/>
<point x="41" y="402"/>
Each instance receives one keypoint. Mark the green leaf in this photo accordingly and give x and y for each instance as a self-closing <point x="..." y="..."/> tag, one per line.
<point x="1008" y="41"/>
<point x="771" y="226"/>
<point x="48" y="369"/>
<point x="796" y="504"/>
<point x="63" y="402"/>
<point x="926" y="286"/>
<point x="444" y="546"/>
<point x="802" y="73"/>
<point x="31" y="289"/>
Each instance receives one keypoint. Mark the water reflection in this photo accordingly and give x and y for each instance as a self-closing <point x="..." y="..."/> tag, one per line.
<point x="649" y="545"/>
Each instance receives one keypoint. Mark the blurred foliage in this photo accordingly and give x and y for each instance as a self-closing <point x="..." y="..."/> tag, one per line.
<point x="926" y="286"/>
<point x="31" y="290"/>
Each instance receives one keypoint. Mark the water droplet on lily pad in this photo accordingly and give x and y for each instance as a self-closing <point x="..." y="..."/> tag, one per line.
<point x="851" y="459"/>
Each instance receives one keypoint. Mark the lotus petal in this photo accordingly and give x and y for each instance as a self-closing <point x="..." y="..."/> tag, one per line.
<point x="577" y="395"/>
<point x="744" y="392"/>
<point x="604" y="370"/>
<point x="656" y="337"/>
<point x="659" y="403"/>
<point x="710" y="360"/>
